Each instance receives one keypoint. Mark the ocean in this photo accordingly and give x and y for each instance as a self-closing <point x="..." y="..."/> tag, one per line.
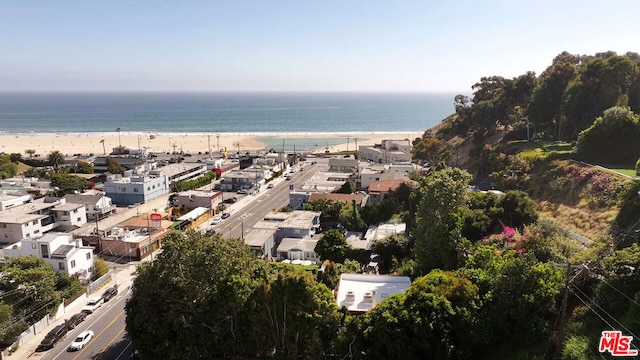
<point x="234" y="113"/>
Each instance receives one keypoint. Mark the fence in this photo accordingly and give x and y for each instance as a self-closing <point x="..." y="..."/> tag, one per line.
<point x="92" y="287"/>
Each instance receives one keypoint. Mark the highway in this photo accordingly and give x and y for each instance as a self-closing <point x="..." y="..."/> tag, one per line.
<point x="110" y="341"/>
<point x="243" y="219"/>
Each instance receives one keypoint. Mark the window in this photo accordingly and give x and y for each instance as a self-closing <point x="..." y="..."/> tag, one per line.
<point x="73" y="264"/>
<point x="61" y="266"/>
<point x="88" y="256"/>
<point x="78" y="219"/>
<point x="33" y="245"/>
<point x="135" y="190"/>
<point x="36" y="231"/>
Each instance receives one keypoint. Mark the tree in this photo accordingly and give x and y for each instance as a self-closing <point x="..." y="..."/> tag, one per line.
<point x="437" y="234"/>
<point x="114" y="167"/>
<point x="430" y="149"/>
<point x="612" y="138"/>
<point x="545" y="108"/>
<point x="84" y="167"/>
<point x="68" y="184"/>
<point x="30" y="152"/>
<point x="15" y="157"/>
<point x="350" y="218"/>
<point x="218" y="301"/>
<point x="518" y="209"/>
<point x="202" y="286"/>
<point x="347" y="188"/>
<point x="55" y="159"/>
<point x="332" y="246"/>
<point x="518" y="295"/>
<point x="434" y="319"/>
<point x="600" y="84"/>
<point x="299" y="315"/>
<point x="392" y="250"/>
<point x="100" y="267"/>
<point x="34" y="285"/>
<point x="8" y="169"/>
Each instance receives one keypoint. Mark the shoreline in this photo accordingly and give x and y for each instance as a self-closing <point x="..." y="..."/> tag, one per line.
<point x="100" y="143"/>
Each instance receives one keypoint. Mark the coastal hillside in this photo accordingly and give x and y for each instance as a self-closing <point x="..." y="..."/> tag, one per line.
<point x="535" y="132"/>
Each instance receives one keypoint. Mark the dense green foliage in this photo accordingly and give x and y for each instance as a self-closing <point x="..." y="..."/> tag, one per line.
<point x="437" y="233"/>
<point x="198" y="182"/>
<point x="67" y="183"/>
<point x="216" y="300"/>
<point x="332" y="246"/>
<point x="612" y="138"/>
<point x="8" y="169"/>
<point x="31" y="290"/>
<point x="114" y="167"/>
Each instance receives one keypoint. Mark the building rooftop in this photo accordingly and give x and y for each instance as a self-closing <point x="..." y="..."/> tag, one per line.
<point x="361" y="292"/>
<point x="297" y="244"/>
<point x="387" y="185"/>
<point x="68" y="207"/>
<point x="257" y="237"/>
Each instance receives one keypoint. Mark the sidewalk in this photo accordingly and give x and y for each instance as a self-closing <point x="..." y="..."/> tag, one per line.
<point x="124" y="278"/>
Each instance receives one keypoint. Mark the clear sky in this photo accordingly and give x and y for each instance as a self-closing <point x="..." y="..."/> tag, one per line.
<point x="297" y="45"/>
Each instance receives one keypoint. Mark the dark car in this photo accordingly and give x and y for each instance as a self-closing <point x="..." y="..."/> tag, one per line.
<point x="52" y="338"/>
<point x="230" y="200"/>
<point x="109" y="294"/>
<point x="76" y="319"/>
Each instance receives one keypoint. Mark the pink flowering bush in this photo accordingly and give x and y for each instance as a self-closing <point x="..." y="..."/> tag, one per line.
<point x="512" y="239"/>
<point x="597" y="187"/>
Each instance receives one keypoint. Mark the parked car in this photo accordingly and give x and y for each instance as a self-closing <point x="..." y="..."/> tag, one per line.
<point x="270" y="186"/>
<point x="52" y="338"/>
<point x="81" y="340"/>
<point x="216" y="220"/>
<point x="243" y="192"/>
<point x="109" y="294"/>
<point x="225" y="215"/>
<point x="230" y="200"/>
<point x="76" y="319"/>
<point x="288" y="177"/>
<point x="92" y="305"/>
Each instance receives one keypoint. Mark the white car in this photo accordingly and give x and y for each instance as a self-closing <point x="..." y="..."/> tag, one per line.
<point x="216" y="220"/>
<point x="81" y="340"/>
<point x="92" y="305"/>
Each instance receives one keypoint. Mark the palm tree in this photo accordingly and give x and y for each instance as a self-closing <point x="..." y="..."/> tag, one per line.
<point x="104" y="151"/>
<point x="55" y="159"/>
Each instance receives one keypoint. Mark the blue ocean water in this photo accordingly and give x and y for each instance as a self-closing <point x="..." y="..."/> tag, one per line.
<point x="237" y="113"/>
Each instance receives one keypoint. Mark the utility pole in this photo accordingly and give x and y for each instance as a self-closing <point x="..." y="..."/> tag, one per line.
<point x="218" y="142"/>
<point x="209" y="143"/>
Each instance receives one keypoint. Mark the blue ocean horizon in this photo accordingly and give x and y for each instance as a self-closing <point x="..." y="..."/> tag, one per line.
<point x="255" y="113"/>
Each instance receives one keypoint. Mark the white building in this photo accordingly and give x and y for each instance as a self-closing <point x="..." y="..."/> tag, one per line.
<point x="33" y="219"/>
<point x="9" y="199"/>
<point x="297" y="249"/>
<point x="129" y="190"/>
<point x="389" y="151"/>
<point x="60" y="250"/>
<point x="361" y="292"/>
<point x="371" y="174"/>
<point x="97" y="205"/>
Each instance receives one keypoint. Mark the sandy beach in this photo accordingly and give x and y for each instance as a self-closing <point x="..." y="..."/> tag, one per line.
<point x="99" y="144"/>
